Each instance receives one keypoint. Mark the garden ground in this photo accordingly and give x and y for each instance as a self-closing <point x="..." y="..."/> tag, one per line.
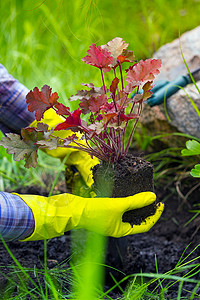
<point x="167" y="240"/>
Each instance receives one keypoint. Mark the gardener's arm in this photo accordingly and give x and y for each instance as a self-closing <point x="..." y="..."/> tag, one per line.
<point x="31" y="217"/>
<point x="14" y="114"/>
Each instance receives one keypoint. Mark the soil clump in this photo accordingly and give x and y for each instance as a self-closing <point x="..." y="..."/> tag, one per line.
<point x="124" y="178"/>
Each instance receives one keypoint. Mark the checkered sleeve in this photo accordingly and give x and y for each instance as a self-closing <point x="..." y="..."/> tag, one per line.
<point x="16" y="218"/>
<point x="14" y="113"/>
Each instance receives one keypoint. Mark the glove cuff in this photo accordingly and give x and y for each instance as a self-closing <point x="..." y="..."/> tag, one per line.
<point x="54" y="215"/>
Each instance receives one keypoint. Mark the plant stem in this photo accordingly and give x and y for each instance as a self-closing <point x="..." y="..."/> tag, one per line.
<point x="111" y="139"/>
<point x="123" y="141"/>
<point x="122" y="106"/>
<point x="115" y="104"/>
<point x="103" y="80"/>
<point x="132" y="132"/>
<point x="114" y="69"/>
<point x="132" y="107"/>
<point x="134" y="101"/>
<point x="92" y="152"/>
<point x="100" y="150"/>
<point x="120" y="144"/>
<point x="120" y="67"/>
<point x="102" y="142"/>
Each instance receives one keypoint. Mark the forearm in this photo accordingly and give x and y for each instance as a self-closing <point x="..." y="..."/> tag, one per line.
<point x="14" y="113"/>
<point x="16" y="218"/>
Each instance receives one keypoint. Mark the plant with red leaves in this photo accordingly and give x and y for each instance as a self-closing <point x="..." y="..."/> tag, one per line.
<point x="110" y="109"/>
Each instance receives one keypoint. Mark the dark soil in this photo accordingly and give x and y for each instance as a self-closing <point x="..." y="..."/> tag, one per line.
<point x="137" y="216"/>
<point x="111" y="180"/>
<point x="167" y="240"/>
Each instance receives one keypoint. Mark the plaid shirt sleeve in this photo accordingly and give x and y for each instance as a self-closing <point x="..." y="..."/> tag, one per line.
<point x="14" y="113"/>
<point x="16" y="218"/>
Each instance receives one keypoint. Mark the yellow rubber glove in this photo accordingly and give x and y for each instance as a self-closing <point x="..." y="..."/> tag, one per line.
<point x="80" y="159"/>
<point x="57" y="214"/>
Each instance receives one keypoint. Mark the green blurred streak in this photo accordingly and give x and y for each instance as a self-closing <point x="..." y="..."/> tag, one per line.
<point x="89" y="272"/>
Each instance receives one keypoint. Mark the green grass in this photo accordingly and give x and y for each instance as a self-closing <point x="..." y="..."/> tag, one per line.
<point x="42" y="42"/>
<point x="85" y="279"/>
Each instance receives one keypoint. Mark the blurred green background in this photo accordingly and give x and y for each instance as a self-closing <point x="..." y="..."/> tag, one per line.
<point x="43" y="41"/>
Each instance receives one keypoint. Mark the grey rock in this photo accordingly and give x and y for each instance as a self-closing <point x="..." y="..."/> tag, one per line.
<point x="170" y="54"/>
<point x="182" y="113"/>
<point x="183" y="117"/>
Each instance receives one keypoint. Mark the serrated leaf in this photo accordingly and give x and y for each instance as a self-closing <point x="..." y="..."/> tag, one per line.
<point x="116" y="48"/>
<point x="147" y="90"/>
<point x="79" y="95"/>
<point x="123" y="100"/>
<point x="143" y="71"/>
<point x="50" y="144"/>
<point x="68" y="140"/>
<point x="89" y="85"/>
<point x="127" y="56"/>
<point x="43" y="131"/>
<point x="73" y="121"/>
<point x="193" y="148"/>
<point x="97" y="127"/>
<point x="108" y="117"/>
<point x="61" y="109"/>
<point x="42" y="126"/>
<point x="98" y="57"/>
<point x="94" y="92"/>
<point x="138" y="98"/>
<point x="128" y="117"/>
<point x="31" y="159"/>
<point x="129" y="88"/>
<point x="40" y="101"/>
<point x="20" y="149"/>
<point x="93" y="104"/>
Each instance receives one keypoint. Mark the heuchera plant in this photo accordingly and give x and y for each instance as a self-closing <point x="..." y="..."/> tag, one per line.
<point x="109" y="109"/>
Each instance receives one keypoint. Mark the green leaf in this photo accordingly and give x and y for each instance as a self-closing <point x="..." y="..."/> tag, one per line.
<point x="196" y="171"/>
<point x="193" y="148"/>
<point x="20" y="149"/>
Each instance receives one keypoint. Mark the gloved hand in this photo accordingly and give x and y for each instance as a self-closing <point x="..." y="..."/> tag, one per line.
<point x="57" y="214"/>
<point x="80" y="159"/>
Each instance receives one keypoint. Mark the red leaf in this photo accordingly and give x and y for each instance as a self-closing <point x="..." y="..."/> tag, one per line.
<point x="93" y="104"/>
<point x="108" y="117"/>
<point x="96" y="103"/>
<point x="98" y="57"/>
<point x="128" y="117"/>
<point x="84" y="105"/>
<point x="62" y="109"/>
<point x="127" y="56"/>
<point x="40" y="101"/>
<point x="72" y="121"/>
<point x="114" y="85"/>
<point x="143" y="71"/>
